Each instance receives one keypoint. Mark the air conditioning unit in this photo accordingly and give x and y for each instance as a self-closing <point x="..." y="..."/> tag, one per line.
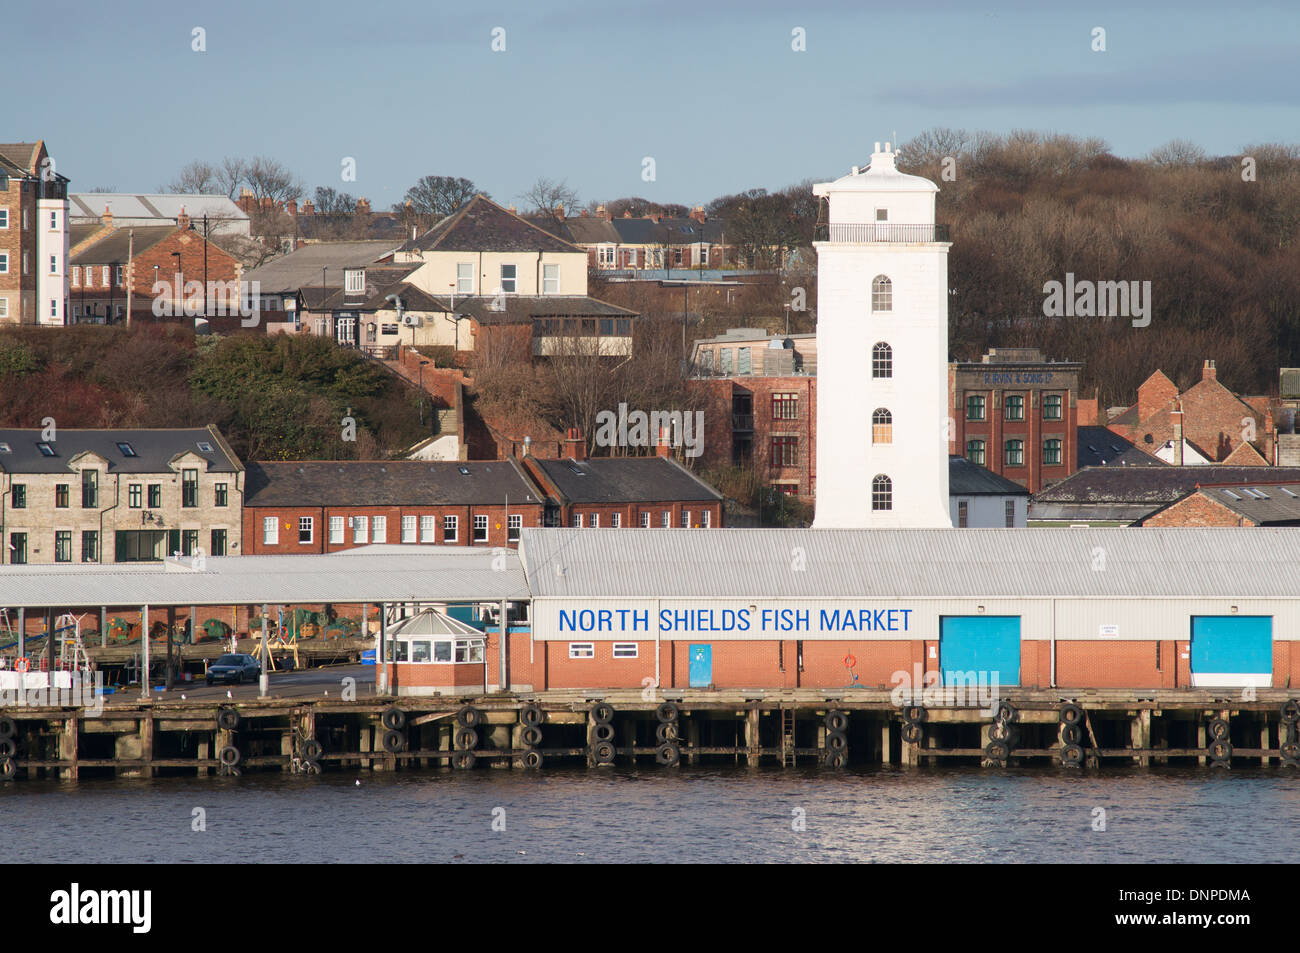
<point x="411" y="320"/>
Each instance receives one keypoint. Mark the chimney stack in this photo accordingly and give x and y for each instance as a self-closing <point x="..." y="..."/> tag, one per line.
<point x="698" y="214"/>
<point x="559" y="212"/>
<point x="183" y="220"/>
<point x="1177" y="418"/>
<point x="574" y="445"/>
<point x="308" y="208"/>
<point x="363" y="206"/>
<point x="107" y="217"/>
<point x="1209" y="372"/>
<point x="291" y="207"/>
<point x="664" y="444"/>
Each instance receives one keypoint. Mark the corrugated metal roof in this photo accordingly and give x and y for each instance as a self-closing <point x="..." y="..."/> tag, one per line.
<point x="380" y="574"/>
<point x="764" y="563"/>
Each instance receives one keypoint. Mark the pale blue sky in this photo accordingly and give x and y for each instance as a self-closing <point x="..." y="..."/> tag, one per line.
<point x="587" y="88"/>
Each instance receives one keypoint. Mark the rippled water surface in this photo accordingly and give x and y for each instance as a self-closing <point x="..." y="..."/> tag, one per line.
<point x="687" y="814"/>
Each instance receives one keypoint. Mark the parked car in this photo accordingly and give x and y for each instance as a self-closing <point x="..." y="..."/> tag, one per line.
<point x="234" y="668"/>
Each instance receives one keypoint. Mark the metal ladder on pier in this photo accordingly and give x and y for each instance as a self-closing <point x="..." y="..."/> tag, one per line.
<point x="787" y="736"/>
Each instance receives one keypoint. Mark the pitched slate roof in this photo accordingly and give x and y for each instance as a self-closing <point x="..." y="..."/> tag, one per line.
<point x="20" y="156"/>
<point x="482" y="225"/>
<point x="1266" y="504"/>
<point x="521" y="309"/>
<point x="1101" y="446"/>
<point x="387" y="483"/>
<point x="116" y="244"/>
<point x="625" y="480"/>
<point x="971" y="479"/>
<point x="302" y="268"/>
<point x="154" y="449"/>
<point x="590" y="230"/>
<point x="668" y="231"/>
<point x="1153" y="486"/>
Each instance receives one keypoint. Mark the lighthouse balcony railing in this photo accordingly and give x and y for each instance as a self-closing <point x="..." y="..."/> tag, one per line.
<point x="881" y="232"/>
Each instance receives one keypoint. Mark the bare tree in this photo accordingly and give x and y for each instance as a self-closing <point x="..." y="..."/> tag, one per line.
<point x="329" y="201"/>
<point x="230" y="175"/>
<point x="1177" y="152"/>
<point x="196" y="177"/>
<point x="549" y="197"/>
<point x="268" y="178"/>
<point x="434" y="197"/>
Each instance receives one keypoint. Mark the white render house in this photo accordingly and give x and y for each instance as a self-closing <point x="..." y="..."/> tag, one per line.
<point x="882" y="346"/>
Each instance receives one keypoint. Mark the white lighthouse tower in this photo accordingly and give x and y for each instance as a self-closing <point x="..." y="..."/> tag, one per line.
<point x="882" y="352"/>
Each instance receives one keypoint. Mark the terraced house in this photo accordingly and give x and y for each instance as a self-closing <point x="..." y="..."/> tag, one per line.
<point x="118" y="496"/>
<point x="33" y="237"/>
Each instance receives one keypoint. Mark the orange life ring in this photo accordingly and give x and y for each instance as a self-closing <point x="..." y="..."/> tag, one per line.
<point x="22" y="665"/>
<point x="850" y="661"/>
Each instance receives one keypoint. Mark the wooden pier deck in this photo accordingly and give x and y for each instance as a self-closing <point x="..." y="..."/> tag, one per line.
<point x="169" y="736"/>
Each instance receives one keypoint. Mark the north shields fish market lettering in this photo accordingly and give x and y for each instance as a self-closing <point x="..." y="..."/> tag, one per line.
<point x="735" y="620"/>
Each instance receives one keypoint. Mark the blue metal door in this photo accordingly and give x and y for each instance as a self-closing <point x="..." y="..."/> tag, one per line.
<point x="973" y="647"/>
<point x="1232" y="650"/>
<point x="701" y="670"/>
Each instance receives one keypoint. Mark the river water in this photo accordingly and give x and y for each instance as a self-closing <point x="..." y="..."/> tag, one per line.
<point x="689" y="814"/>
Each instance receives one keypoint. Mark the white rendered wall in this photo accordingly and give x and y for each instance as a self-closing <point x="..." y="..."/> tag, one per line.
<point x="847" y="329"/>
<point x="52" y="241"/>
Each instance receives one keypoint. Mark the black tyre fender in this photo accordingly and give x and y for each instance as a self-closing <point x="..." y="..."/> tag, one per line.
<point x="668" y="755"/>
<point x="1290" y="751"/>
<point x="911" y="732"/>
<point x="1071" y="714"/>
<point x="914" y="713"/>
<point x="603" y="752"/>
<point x="393" y="741"/>
<point x="530" y="716"/>
<point x="602" y="731"/>
<point x="1219" y="728"/>
<point x="8" y="727"/>
<point x="232" y="771"/>
<point x="997" y="751"/>
<point x="228" y="719"/>
<point x="229" y="756"/>
<point x="311" y="767"/>
<point x="666" y="732"/>
<point x="469" y="717"/>
<point x="602" y="713"/>
<point x="311" y="749"/>
<point x="837" y="758"/>
<point x="1000" y="731"/>
<point x="1291" y="711"/>
<point x="837" y="721"/>
<point x="464" y="760"/>
<point x="1220" y="750"/>
<point x="1071" y="734"/>
<point x="1072" y="754"/>
<point x="7" y="769"/>
<point x="1005" y="712"/>
<point x="836" y="740"/>
<point x="393" y="718"/>
<point x="532" y="759"/>
<point x="531" y="736"/>
<point x="7" y="747"/>
<point x="466" y="739"/>
<point x="667" y="712"/>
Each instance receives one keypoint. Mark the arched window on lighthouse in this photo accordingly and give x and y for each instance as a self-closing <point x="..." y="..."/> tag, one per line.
<point x="882" y="294"/>
<point x="882" y="492"/>
<point x="882" y="360"/>
<point x="882" y="426"/>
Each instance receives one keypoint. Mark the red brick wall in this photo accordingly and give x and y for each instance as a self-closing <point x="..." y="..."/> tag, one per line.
<point x="14" y="240"/>
<point x="630" y="513"/>
<point x="1197" y="509"/>
<point x="288" y="517"/>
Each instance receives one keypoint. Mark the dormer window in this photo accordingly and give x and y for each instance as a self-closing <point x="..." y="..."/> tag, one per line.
<point x="354" y="281"/>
